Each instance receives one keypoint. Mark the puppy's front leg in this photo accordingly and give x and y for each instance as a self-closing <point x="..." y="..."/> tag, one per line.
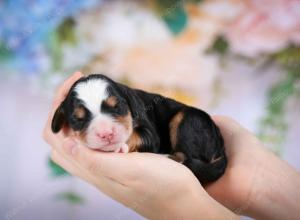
<point x="122" y="148"/>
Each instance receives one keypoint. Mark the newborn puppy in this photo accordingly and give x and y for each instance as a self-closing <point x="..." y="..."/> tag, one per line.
<point x="111" y="117"/>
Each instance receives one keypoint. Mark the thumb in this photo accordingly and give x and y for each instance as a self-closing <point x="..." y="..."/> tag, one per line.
<point x="112" y="165"/>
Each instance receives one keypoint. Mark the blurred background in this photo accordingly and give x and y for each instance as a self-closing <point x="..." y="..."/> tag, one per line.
<point x="239" y="58"/>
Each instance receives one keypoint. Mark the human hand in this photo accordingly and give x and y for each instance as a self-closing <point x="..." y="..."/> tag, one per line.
<point x="245" y="156"/>
<point x="256" y="182"/>
<point x="151" y="184"/>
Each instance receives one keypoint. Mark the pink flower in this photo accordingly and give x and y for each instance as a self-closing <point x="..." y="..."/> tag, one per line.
<point x="265" y="26"/>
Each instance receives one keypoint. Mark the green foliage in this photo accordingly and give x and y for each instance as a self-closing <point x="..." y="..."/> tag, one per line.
<point x="5" y="53"/>
<point x="195" y="1"/>
<point x="55" y="51"/>
<point x="220" y="46"/>
<point x="273" y="127"/>
<point x="279" y="93"/>
<point x="66" y="31"/>
<point x="71" y="197"/>
<point x="64" y="34"/>
<point x="289" y="59"/>
<point x="56" y="170"/>
<point x="173" y="13"/>
<point x="176" y="19"/>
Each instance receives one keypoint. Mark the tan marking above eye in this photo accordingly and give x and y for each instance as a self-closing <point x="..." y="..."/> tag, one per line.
<point x="111" y="101"/>
<point x="174" y="124"/>
<point x="79" y="112"/>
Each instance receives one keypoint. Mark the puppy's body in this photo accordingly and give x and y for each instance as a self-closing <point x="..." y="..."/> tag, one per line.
<point x="110" y="116"/>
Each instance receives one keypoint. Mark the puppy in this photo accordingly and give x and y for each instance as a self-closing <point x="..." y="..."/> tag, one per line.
<point x="111" y="117"/>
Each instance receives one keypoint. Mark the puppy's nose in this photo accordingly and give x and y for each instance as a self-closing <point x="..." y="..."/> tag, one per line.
<point x="105" y="135"/>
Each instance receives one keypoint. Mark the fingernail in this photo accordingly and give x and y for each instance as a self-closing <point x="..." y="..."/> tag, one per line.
<point x="70" y="146"/>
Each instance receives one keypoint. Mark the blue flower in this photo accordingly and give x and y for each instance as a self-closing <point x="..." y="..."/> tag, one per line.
<point x="25" y="24"/>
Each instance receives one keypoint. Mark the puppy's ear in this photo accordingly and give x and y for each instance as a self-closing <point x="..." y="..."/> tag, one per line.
<point x="132" y="101"/>
<point x="58" y="120"/>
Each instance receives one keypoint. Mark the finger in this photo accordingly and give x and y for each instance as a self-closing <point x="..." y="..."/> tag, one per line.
<point x="65" y="87"/>
<point x="56" y="140"/>
<point x="69" y="165"/>
<point x="64" y="163"/>
<point x="61" y="94"/>
<point x="111" y="188"/>
<point x="117" y="166"/>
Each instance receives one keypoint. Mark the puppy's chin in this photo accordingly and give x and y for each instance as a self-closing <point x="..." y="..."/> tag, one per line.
<point x="113" y="147"/>
<point x="116" y="148"/>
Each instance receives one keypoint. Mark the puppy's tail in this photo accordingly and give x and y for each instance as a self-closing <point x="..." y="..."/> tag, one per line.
<point x="207" y="171"/>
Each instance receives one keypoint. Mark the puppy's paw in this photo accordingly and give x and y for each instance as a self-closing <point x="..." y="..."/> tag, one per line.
<point x="122" y="148"/>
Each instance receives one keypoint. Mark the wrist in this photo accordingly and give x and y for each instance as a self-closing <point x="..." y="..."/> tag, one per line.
<point x="274" y="190"/>
<point x="194" y="203"/>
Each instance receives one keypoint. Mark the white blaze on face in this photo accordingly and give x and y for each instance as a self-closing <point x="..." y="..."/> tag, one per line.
<point x="103" y="132"/>
<point x="92" y="93"/>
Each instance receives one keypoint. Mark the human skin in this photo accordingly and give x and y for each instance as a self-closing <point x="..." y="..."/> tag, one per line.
<point x="256" y="182"/>
<point x="136" y="179"/>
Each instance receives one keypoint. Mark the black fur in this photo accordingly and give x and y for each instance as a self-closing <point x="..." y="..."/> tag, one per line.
<point x="198" y="137"/>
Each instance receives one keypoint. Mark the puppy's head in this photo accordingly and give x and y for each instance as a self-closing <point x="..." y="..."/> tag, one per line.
<point x="97" y="112"/>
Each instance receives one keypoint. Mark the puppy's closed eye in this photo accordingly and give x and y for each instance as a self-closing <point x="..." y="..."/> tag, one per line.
<point x="79" y="113"/>
<point x="111" y="101"/>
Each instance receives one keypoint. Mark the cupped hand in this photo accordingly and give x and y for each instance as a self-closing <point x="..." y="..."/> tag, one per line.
<point x="151" y="184"/>
<point x="246" y="157"/>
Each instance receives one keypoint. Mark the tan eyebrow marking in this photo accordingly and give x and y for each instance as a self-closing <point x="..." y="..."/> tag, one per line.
<point x="111" y="101"/>
<point x="79" y="112"/>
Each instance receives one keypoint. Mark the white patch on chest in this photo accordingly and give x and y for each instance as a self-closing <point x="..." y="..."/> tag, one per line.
<point x="92" y="93"/>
